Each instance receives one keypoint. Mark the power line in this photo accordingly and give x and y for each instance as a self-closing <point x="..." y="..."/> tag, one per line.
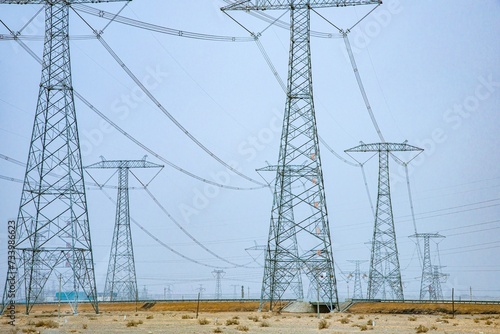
<point x="130" y="137"/>
<point x="164" y="110"/>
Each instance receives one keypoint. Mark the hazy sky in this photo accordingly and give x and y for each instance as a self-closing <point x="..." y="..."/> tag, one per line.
<point x="431" y="70"/>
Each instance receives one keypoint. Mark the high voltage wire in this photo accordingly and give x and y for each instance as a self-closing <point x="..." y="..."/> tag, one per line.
<point x="151" y="235"/>
<point x="130" y="137"/>
<point x="164" y="210"/>
<point x="164" y="110"/>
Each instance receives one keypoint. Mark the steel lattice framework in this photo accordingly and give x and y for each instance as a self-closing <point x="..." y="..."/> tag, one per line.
<point x="218" y="274"/>
<point x="52" y="227"/>
<point x="385" y="274"/>
<point x="358" y="290"/>
<point x="430" y="284"/>
<point x="121" y="280"/>
<point x="299" y="213"/>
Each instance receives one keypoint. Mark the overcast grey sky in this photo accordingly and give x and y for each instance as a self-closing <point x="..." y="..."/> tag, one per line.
<point x="431" y="71"/>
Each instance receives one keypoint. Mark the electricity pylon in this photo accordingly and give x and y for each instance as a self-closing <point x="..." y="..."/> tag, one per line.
<point x="298" y="169"/>
<point x="430" y="284"/>
<point x="218" y="274"/>
<point x="437" y="278"/>
<point x="121" y="280"/>
<point x="358" y="290"/>
<point x="52" y="227"/>
<point x="385" y="273"/>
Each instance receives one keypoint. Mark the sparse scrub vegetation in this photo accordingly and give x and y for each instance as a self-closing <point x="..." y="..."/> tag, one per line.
<point x="233" y="321"/>
<point x="344" y="320"/>
<point x="47" y="324"/>
<point x="265" y="324"/>
<point x="242" y="328"/>
<point x="218" y="330"/>
<point x="203" y="321"/>
<point x="134" y="323"/>
<point x="323" y="324"/>
<point x="149" y="317"/>
<point x="422" y="329"/>
<point x="254" y="318"/>
<point x="186" y="316"/>
<point x="412" y="318"/>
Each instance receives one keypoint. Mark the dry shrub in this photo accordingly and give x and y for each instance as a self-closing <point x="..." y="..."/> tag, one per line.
<point x="233" y="321"/>
<point x="217" y="330"/>
<point x="422" y="329"/>
<point x="266" y="316"/>
<point x="133" y="323"/>
<point x="488" y="322"/>
<point x="150" y="316"/>
<point x="264" y="324"/>
<point x="47" y="324"/>
<point x="412" y="318"/>
<point x="323" y="324"/>
<point x="434" y="327"/>
<point x="84" y="326"/>
<point x="29" y="330"/>
<point x="361" y="317"/>
<point x="242" y="328"/>
<point x="236" y="317"/>
<point x="361" y="327"/>
<point x="203" y="321"/>
<point x="344" y="320"/>
<point x="254" y="318"/>
<point x="186" y="316"/>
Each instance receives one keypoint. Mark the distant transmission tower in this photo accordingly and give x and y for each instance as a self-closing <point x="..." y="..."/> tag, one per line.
<point x="385" y="274"/>
<point x="52" y="227"/>
<point x="437" y="278"/>
<point x="358" y="290"/>
<point x="218" y="274"/>
<point x="121" y="281"/>
<point x="430" y="284"/>
<point x="298" y="169"/>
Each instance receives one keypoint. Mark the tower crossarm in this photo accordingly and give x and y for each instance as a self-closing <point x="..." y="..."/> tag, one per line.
<point x="124" y="164"/>
<point x="286" y="4"/>
<point x="68" y="2"/>
<point x="378" y="147"/>
<point x="427" y="235"/>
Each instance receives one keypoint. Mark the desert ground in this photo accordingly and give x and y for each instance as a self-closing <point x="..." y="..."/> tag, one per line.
<point x="242" y="317"/>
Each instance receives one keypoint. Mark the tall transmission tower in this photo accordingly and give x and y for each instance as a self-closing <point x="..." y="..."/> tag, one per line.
<point x="358" y="290"/>
<point x="299" y="170"/>
<point x="121" y="280"/>
<point x="430" y="284"/>
<point x="52" y="226"/>
<point x="218" y="274"/>
<point x="385" y="273"/>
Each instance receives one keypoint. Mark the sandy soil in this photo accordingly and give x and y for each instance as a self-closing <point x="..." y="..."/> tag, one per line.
<point x="180" y="322"/>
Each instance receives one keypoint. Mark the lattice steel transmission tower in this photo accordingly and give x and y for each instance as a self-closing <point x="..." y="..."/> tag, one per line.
<point x="52" y="227"/>
<point x="299" y="177"/>
<point x="430" y="284"/>
<point x="358" y="290"/>
<point x="121" y="280"/>
<point x="385" y="274"/>
<point x="438" y="277"/>
<point x="218" y="274"/>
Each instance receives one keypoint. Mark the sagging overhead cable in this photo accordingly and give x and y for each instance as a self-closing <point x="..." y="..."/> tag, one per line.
<point x="163" y="109"/>
<point x="126" y="134"/>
